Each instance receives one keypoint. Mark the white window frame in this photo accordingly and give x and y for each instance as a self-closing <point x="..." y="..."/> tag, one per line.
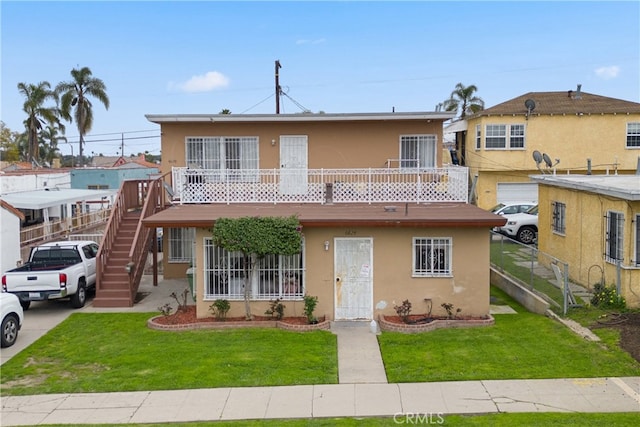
<point x="432" y="257"/>
<point x="558" y="217"/>
<point x="478" y="137"/>
<point x="235" y="157"/>
<point x="614" y="237"/>
<point x="277" y="277"/>
<point x="180" y="244"/>
<point x="418" y="151"/>
<point x="633" y="135"/>
<point x="505" y="136"/>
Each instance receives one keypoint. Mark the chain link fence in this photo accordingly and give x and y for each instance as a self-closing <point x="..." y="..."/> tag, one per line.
<point x="538" y="272"/>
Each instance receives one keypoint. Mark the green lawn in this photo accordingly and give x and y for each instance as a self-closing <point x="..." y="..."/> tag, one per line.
<point x="101" y="352"/>
<point x="524" y="345"/>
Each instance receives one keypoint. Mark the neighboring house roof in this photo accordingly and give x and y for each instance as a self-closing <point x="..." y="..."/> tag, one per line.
<point x="313" y="117"/>
<point x="122" y="162"/>
<point x="570" y="102"/>
<point x="19" y="166"/>
<point x="336" y="215"/>
<point x="625" y="187"/>
<point x="42" y="199"/>
<point x="11" y="209"/>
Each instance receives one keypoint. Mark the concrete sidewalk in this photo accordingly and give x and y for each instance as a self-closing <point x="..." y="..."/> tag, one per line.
<point x="319" y="401"/>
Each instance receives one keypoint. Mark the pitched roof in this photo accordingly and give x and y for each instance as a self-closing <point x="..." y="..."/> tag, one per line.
<point x="569" y="102"/>
<point x="337" y="215"/>
<point x="11" y="209"/>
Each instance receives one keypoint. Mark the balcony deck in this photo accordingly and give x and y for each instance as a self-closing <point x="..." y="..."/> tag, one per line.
<point x="372" y="185"/>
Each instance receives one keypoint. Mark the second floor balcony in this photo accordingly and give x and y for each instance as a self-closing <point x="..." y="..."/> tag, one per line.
<point x="371" y="185"/>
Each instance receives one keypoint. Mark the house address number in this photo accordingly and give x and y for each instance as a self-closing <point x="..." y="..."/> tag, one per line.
<point x="350" y="232"/>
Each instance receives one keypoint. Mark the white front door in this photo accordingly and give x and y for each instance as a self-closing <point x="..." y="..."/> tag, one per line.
<point x="353" y="278"/>
<point x="293" y="164"/>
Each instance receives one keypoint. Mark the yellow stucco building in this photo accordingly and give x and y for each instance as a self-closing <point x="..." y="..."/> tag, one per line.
<point x="592" y="222"/>
<point x="546" y="132"/>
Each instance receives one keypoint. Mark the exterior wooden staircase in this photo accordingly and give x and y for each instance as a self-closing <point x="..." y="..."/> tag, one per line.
<point x="126" y="243"/>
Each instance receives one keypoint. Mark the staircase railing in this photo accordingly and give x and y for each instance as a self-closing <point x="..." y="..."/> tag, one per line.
<point x="147" y="196"/>
<point x="154" y="200"/>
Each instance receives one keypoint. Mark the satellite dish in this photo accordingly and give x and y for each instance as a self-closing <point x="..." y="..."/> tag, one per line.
<point x="537" y="157"/>
<point x="530" y="104"/>
<point x="547" y="160"/>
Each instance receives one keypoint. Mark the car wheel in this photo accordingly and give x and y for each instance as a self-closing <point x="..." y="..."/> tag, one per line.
<point x="527" y="235"/>
<point x="10" y="328"/>
<point x="25" y="305"/>
<point x="80" y="297"/>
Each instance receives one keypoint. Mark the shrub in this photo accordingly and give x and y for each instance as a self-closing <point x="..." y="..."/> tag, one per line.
<point x="220" y="308"/>
<point x="181" y="299"/>
<point x="449" y="309"/>
<point x="276" y="309"/>
<point x="403" y="310"/>
<point x="607" y="297"/>
<point x="310" y="303"/>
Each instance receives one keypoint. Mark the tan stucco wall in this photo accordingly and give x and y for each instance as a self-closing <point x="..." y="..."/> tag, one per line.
<point x="572" y="139"/>
<point x="583" y="244"/>
<point x="468" y="289"/>
<point x="330" y="144"/>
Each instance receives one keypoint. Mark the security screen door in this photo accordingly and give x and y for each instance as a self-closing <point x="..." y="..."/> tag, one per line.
<point x="293" y="164"/>
<point x="353" y="278"/>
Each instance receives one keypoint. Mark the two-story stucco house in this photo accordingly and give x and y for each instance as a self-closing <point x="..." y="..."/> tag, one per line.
<point x="382" y="220"/>
<point x="592" y="222"/>
<point x="546" y="132"/>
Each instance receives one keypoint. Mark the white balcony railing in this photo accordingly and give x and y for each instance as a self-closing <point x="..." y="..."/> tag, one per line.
<point x="382" y="185"/>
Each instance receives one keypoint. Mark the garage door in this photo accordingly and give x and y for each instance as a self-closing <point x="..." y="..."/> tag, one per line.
<point x="517" y="192"/>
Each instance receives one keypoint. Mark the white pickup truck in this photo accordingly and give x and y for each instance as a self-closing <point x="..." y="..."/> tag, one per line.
<point x="55" y="270"/>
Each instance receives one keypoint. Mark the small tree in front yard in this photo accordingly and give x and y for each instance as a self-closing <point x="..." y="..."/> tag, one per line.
<point x="256" y="237"/>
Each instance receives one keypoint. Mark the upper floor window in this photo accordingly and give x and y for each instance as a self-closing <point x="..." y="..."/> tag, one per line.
<point x="181" y="244"/>
<point x="558" y="218"/>
<point x="478" y="137"/>
<point x="614" y="236"/>
<point x="431" y="257"/>
<point x="504" y="136"/>
<point x="418" y="151"/>
<point x="633" y="135"/>
<point x="222" y="153"/>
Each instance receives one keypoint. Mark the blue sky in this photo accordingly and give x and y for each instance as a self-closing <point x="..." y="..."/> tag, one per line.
<point x="161" y="57"/>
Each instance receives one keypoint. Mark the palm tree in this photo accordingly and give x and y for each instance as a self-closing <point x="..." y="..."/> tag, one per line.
<point x="74" y="95"/>
<point x="37" y="112"/>
<point x="462" y="99"/>
<point x="50" y="138"/>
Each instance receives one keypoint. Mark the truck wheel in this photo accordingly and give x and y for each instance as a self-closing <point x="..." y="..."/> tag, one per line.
<point x="9" y="330"/>
<point x="527" y="235"/>
<point x="25" y="305"/>
<point x="80" y="297"/>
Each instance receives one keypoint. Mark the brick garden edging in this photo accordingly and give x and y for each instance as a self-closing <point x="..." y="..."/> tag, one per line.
<point x="388" y="326"/>
<point x="324" y="325"/>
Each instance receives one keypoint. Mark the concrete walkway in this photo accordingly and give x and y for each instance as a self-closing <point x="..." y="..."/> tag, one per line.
<point x="318" y="401"/>
<point x="359" y="358"/>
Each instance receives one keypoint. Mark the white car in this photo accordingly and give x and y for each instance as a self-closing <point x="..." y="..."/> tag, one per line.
<point x="512" y="208"/>
<point x="12" y="317"/>
<point x="522" y="226"/>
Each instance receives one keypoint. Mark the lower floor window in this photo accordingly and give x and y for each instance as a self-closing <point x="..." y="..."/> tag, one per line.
<point x="431" y="256"/>
<point x="276" y="276"/>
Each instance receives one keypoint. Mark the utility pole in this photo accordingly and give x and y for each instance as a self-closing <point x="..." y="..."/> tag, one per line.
<point x="278" y="66"/>
<point x="122" y="146"/>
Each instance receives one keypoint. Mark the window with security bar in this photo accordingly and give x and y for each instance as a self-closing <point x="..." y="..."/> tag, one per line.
<point x="432" y="257"/>
<point x="181" y="244"/>
<point x="276" y="276"/>
<point x="558" y="217"/>
<point x="417" y="151"/>
<point x="614" y="237"/>
<point x="233" y="158"/>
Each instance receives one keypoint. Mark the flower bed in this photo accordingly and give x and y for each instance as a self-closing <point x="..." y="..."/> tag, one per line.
<point x="395" y="324"/>
<point x="187" y="320"/>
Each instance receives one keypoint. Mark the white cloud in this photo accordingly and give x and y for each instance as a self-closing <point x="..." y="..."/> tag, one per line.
<point x="212" y="80"/>
<point x="607" y="73"/>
